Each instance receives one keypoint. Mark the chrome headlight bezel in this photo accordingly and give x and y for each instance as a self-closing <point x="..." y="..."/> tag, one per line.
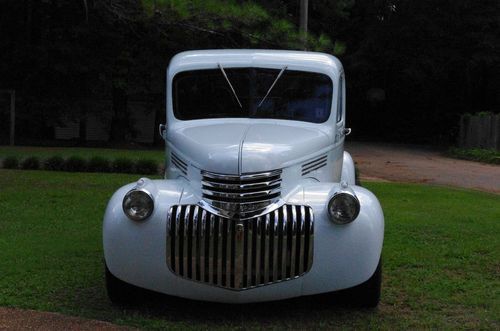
<point x="147" y="204"/>
<point x="344" y="196"/>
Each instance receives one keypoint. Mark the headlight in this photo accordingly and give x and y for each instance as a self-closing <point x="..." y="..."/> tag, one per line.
<point x="138" y="204"/>
<point x="343" y="208"/>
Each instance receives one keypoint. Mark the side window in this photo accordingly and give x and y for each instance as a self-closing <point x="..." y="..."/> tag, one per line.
<point x="340" y="99"/>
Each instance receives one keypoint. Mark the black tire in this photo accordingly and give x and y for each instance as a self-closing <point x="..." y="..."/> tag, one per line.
<point x="120" y="292"/>
<point x="367" y="294"/>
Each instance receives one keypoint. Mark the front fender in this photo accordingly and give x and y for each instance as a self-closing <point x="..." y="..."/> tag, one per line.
<point x="132" y="249"/>
<point x="344" y="255"/>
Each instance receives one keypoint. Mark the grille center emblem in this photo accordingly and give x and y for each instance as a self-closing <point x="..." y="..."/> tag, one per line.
<point x="239" y="230"/>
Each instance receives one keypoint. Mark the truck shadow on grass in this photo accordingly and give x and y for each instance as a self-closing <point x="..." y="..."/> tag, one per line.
<point x="162" y="306"/>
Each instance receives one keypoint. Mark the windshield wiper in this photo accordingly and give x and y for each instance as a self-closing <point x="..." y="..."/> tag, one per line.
<point x="230" y="85"/>
<point x="272" y="85"/>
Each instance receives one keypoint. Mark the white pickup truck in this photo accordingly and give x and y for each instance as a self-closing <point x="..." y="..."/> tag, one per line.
<point x="259" y="200"/>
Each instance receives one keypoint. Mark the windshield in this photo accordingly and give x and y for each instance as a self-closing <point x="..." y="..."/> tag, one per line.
<point x="249" y="92"/>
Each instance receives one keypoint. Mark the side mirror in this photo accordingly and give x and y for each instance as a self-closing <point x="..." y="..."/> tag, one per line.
<point x="162" y="129"/>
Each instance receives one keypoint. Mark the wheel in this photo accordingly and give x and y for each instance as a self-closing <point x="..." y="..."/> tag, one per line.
<point x="119" y="292"/>
<point x="367" y="294"/>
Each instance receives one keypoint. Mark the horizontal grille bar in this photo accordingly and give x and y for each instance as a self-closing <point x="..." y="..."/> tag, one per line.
<point x="240" y="254"/>
<point x="241" y="194"/>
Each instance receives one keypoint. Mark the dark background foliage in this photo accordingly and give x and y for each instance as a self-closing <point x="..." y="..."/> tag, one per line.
<point x="413" y="67"/>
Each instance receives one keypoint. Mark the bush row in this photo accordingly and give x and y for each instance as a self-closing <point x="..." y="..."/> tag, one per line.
<point x="79" y="164"/>
<point x="475" y="154"/>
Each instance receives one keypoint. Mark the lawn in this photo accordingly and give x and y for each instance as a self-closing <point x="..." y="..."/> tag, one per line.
<point x="441" y="260"/>
<point x="45" y="152"/>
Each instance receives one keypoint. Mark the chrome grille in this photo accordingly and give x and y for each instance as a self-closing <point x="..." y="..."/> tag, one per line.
<point x="240" y="254"/>
<point x="240" y="195"/>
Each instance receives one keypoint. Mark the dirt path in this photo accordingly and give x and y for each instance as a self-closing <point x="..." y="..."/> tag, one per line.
<point x="419" y="165"/>
<point x="18" y="319"/>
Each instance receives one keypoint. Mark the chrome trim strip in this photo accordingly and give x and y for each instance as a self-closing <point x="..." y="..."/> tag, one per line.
<point x="314" y="166"/>
<point x="316" y="160"/>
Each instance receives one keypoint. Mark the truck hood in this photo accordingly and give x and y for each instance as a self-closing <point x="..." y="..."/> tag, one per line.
<point x="236" y="148"/>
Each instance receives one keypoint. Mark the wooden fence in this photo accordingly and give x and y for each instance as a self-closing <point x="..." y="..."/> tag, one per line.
<point x="480" y="131"/>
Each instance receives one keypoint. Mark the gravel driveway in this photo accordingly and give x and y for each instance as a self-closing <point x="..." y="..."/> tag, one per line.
<point x="420" y="165"/>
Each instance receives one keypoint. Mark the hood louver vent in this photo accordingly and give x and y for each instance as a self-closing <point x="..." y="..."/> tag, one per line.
<point x="181" y="165"/>
<point x="315" y="164"/>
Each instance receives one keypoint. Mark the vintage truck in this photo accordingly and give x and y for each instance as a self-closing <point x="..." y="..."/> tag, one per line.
<point x="259" y="200"/>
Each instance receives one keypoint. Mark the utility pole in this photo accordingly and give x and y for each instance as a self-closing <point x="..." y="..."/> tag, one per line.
<point x="304" y="4"/>
<point x="12" y="114"/>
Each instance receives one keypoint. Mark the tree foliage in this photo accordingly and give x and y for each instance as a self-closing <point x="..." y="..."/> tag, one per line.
<point x="412" y="66"/>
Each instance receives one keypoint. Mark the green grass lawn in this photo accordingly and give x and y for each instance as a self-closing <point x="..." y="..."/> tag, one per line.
<point x="441" y="260"/>
<point x="45" y="152"/>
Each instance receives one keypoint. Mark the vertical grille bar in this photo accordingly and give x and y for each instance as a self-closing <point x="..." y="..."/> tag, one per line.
<point x="186" y="240"/>
<point x="203" y="237"/>
<point x="266" y="248"/>
<point x="239" y="254"/>
<point x="171" y="237"/>
<point x="275" y="245"/>
<point x="302" y="241"/>
<point x="311" y="238"/>
<point x="293" y="246"/>
<point x="195" y="247"/>
<point x="178" y="236"/>
<point x="249" y="252"/>
<point x="239" y="245"/>
<point x="219" y="249"/>
<point x="258" y="251"/>
<point x="211" y="236"/>
<point x="284" y="248"/>
<point x="229" y="242"/>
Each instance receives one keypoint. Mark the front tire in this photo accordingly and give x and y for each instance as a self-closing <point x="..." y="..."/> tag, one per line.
<point x="119" y="292"/>
<point x="367" y="294"/>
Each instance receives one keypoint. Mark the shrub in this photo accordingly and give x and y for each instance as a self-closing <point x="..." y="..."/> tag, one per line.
<point x="30" y="163"/>
<point x="146" y="167"/>
<point x="98" y="164"/>
<point x="123" y="165"/>
<point x="54" y="163"/>
<point x="75" y="163"/>
<point x="11" y="162"/>
<point x="475" y="154"/>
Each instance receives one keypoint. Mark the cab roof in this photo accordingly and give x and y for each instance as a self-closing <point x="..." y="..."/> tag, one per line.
<point x="233" y="58"/>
